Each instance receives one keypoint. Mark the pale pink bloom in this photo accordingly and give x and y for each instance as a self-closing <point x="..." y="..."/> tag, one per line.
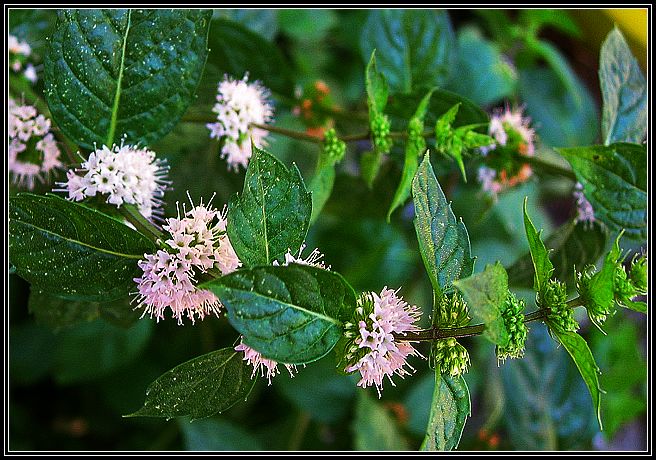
<point x="267" y="367"/>
<point x="238" y="105"/>
<point x="125" y="174"/>
<point x="32" y="153"/>
<point x="503" y="121"/>
<point x="314" y="259"/>
<point x="585" y="212"/>
<point x="376" y="350"/>
<point x="196" y="243"/>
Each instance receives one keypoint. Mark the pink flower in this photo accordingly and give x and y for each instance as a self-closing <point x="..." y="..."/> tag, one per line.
<point x="585" y="212"/>
<point x="238" y="105"/>
<point x="375" y="350"/>
<point x="32" y="150"/>
<point x="197" y="242"/>
<point x="268" y="368"/>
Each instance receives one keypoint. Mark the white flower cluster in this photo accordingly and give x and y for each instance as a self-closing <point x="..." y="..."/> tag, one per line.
<point x="126" y="174"/>
<point x="238" y="105"/>
<point x="32" y="152"/>
<point x="19" y="51"/>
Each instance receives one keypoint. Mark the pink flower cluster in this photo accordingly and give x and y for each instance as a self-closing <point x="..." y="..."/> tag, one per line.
<point x="268" y="367"/>
<point x="126" y="174"/>
<point x="374" y="351"/>
<point x="585" y="212"/>
<point x="238" y="104"/>
<point x="197" y="242"/>
<point x="19" y="52"/>
<point x="32" y="151"/>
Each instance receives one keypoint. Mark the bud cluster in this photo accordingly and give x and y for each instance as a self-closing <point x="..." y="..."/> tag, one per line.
<point x="513" y="319"/>
<point x="560" y="316"/>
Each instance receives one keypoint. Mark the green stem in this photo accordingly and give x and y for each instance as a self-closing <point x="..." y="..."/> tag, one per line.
<point x="436" y="333"/>
<point x="143" y="225"/>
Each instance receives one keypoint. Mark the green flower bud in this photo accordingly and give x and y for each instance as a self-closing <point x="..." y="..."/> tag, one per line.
<point x="380" y="128"/>
<point x="452" y="312"/>
<point x="333" y="147"/>
<point x="450" y="357"/>
<point x="554" y="299"/>
<point x="598" y="306"/>
<point x="416" y="134"/>
<point x="622" y="286"/>
<point x="513" y="319"/>
<point x="639" y="273"/>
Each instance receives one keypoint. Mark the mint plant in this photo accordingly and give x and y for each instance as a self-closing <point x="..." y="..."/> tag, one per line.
<point x="128" y="97"/>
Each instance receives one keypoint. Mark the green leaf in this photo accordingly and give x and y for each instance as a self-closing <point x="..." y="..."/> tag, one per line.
<point x="413" y="46"/>
<point x="545" y="401"/>
<point x="235" y="51"/>
<point x="443" y="241"/>
<point x="376" y="85"/>
<point x="291" y="314"/>
<point x="539" y="254"/>
<point x="485" y="294"/>
<point x="94" y="350"/>
<point x="216" y="435"/>
<point x="321" y="186"/>
<point x="370" y="163"/>
<point x="561" y="117"/>
<point x="614" y="180"/>
<point x="625" y="373"/>
<point x="374" y="428"/>
<point x="450" y="408"/>
<point x="574" y="245"/>
<point x="411" y="160"/>
<point x="116" y="72"/>
<point x="578" y="349"/>
<point x="481" y="72"/>
<point x="624" y="91"/>
<point x="272" y="214"/>
<point x="57" y="313"/>
<point x="200" y="387"/>
<point x="72" y="251"/>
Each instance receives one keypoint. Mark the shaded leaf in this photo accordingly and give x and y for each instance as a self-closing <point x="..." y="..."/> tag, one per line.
<point x="116" y="72"/>
<point x="235" y="51"/>
<point x="450" y="408"/>
<point x="374" y="428"/>
<point x="546" y="405"/>
<point x="485" y="294"/>
<point x="614" y="180"/>
<point x="200" y="387"/>
<point x="291" y="314"/>
<point x="413" y="46"/>
<point x="272" y="214"/>
<point x="481" y="72"/>
<point x="574" y="245"/>
<point x="321" y="186"/>
<point x="72" y="251"/>
<point x="561" y="117"/>
<point x="443" y="240"/>
<point x="624" y="91"/>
